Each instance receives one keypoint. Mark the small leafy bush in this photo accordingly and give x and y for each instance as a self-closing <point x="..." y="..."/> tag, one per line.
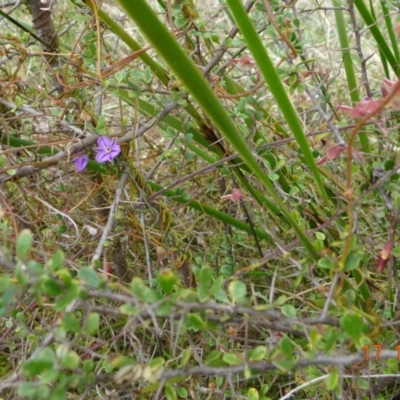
<point x="199" y="201"/>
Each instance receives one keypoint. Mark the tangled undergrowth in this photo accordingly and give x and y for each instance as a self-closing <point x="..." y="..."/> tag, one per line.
<point x="199" y="200"/>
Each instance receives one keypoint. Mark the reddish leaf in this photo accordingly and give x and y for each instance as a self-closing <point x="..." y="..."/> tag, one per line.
<point x="331" y="154"/>
<point x="358" y="155"/>
<point x="362" y="108"/>
<point x="335" y="152"/>
<point x="244" y="60"/>
<point x="384" y="91"/>
<point x="235" y="196"/>
<point x="395" y="102"/>
<point x="388" y="82"/>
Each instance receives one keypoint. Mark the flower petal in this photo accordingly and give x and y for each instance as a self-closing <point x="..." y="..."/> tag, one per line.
<point x="115" y="151"/>
<point x="81" y="162"/>
<point x="104" y="141"/>
<point x="102" y="157"/>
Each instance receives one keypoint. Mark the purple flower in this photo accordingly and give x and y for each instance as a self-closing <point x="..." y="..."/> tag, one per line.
<point x="81" y="162"/>
<point x="107" y="149"/>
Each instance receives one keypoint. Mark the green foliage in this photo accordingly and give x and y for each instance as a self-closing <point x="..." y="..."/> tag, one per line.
<point x="166" y="280"/>
<point x="89" y="277"/>
<point x="353" y="325"/>
<point x="241" y="242"/>
<point x="24" y="244"/>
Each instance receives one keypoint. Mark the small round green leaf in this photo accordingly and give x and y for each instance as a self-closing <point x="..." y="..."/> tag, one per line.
<point x="92" y="323"/>
<point x="24" y="243"/>
<point x="194" y="322"/>
<point x="287" y="347"/>
<point x="166" y="280"/>
<point x="205" y="279"/>
<point x="35" y="367"/>
<point x="352" y="324"/>
<point x="352" y="262"/>
<point x="52" y="287"/>
<point x="326" y="263"/>
<point x="89" y="276"/>
<point x="56" y="262"/>
<point x="70" y="360"/>
<point x="232" y="359"/>
<point x="252" y="394"/>
<point x="71" y="323"/>
<point x="29" y="390"/>
<point x="289" y="311"/>
<point x="182" y="392"/>
<point x="332" y="380"/>
<point x="258" y="353"/>
<point x="170" y="393"/>
<point x="237" y="291"/>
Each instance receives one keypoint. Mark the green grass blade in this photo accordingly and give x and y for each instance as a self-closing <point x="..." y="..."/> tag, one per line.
<point x="348" y="66"/>
<point x="390" y="31"/>
<point x="133" y="45"/>
<point x="190" y="76"/>
<point x="212" y="212"/>
<point x="275" y="85"/>
<point x="377" y="34"/>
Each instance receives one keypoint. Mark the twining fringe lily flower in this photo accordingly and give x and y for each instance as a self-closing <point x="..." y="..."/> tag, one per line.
<point x="107" y="149"/>
<point x="81" y="162"/>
